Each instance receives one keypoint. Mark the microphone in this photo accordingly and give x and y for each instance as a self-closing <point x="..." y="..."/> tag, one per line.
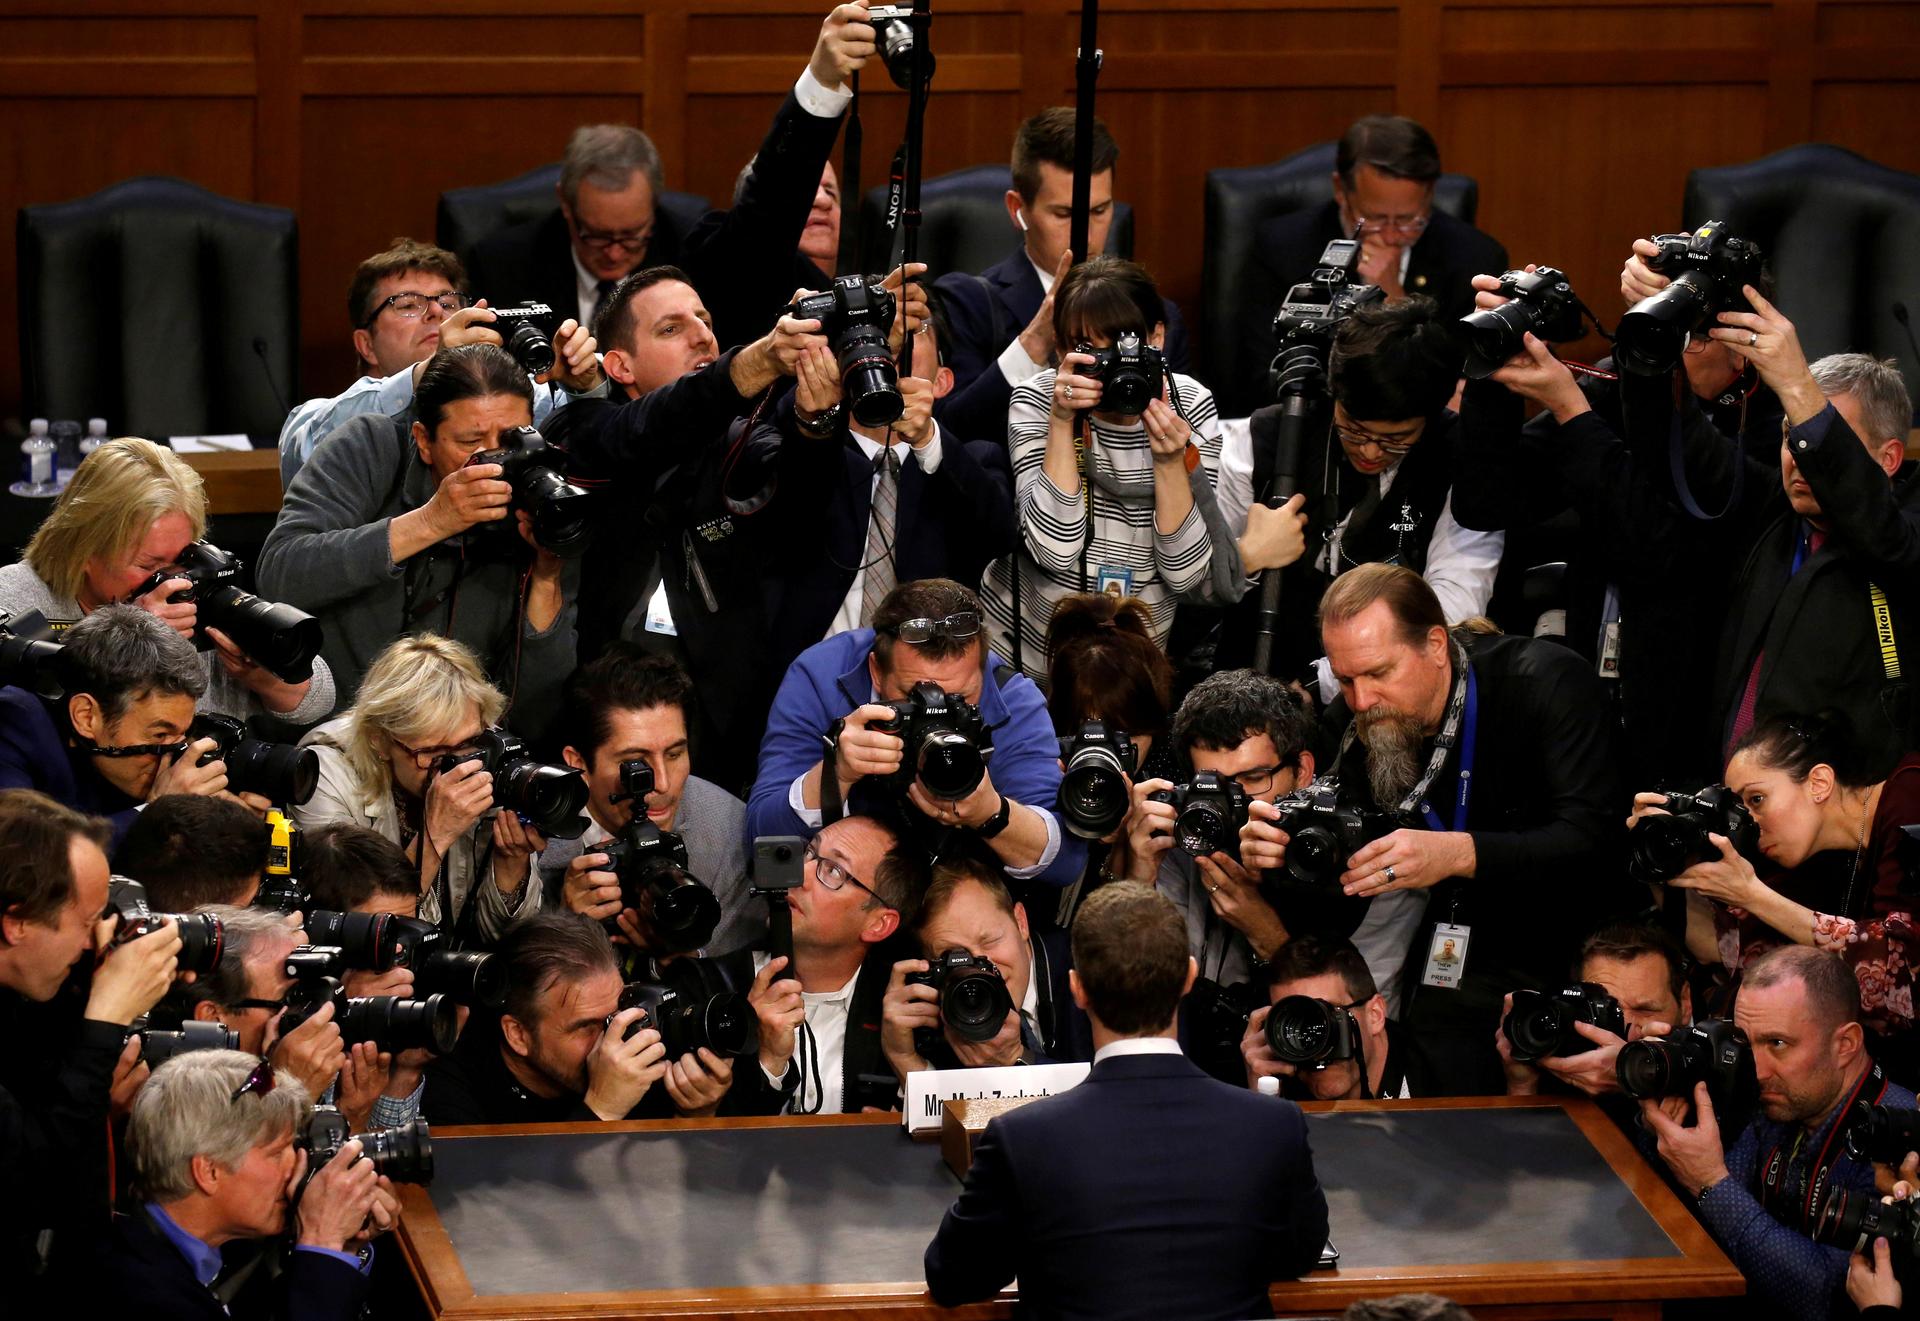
<point x="1900" y="315"/>
<point x="266" y="366"/>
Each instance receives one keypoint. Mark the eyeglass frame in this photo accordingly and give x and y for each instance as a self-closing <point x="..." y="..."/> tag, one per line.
<point x="821" y="866"/>
<point x="435" y="751"/>
<point x="952" y="626"/>
<point x="602" y="240"/>
<point x="1361" y="439"/>
<point x="1268" y="775"/>
<point x="392" y="300"/>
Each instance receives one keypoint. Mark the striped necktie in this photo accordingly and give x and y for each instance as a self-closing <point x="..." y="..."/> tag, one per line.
<point x="878" y="577"/>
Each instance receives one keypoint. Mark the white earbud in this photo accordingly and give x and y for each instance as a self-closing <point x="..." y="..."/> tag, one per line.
<point x="1020" y="218"/>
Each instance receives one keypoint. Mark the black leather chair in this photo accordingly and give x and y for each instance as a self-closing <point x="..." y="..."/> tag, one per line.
<point x="467" y="215"/>
<point x="1240" y="200"/>
<point x="162" y="307"/>
<point x="963" y="223"/>
<point x="1842" y="235"/>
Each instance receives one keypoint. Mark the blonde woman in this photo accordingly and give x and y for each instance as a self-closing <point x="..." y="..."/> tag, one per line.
<point x="422" y="698"/>
<point x="130" y="510"/>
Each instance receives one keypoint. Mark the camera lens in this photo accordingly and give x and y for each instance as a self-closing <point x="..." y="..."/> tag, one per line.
<point x="396" y="1024"/>
<point x="975" y="1004"/>
<point x="530" y="347"/>
<point x="1653" y="333"/>
<point x="1492" y="335"/>
<point x="283" y="639"/>
<point x="156" y="1048"/>
<point x="1661" y="847"/>
<point x="949" y="764"/>
<point x="1647" y="1068"/>
<point x="1537" y="1026"/>
<point x="1302" y="1030"/>
<point x="1315" y="855"/>
<point x="728" y="1025"/>
<point x="1883" y="1134"/>
<point x="868" y="376"/>
<point x="1202" y="829"/>
<point x="551" y="797"/>
<point x="403" y="1154"/>
<point x="365" y="940"/>
<point x="1128" y="390"/>
<point x="1093" y="793"/>
<point x="558" y="508"/>
<point x="201" y="939"/>
<point x="31" y="664"/>
<point x="280" y="772"/>
<point x="681" y="913"/>
<point x="467" y="977"/>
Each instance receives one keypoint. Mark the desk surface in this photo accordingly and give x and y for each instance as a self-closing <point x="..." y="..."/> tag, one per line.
<point x="1487" y="1201"/>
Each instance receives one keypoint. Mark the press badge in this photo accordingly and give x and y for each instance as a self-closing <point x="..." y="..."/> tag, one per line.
<point x="659" y="616"/>
<point x="1610" y="651"/>
<point x="1115" y="582"/>
<point x="1447" y="959"/>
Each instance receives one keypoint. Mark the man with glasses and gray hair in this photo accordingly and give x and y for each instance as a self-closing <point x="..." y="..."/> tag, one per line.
<point x="826" y="740"/>
<point x="218" y="1182"/>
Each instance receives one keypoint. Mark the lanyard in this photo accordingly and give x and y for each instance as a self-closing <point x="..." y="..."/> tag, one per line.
<point x="1468" y="728"/>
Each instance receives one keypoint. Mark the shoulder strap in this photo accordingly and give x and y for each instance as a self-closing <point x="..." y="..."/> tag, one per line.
<point x="1883" y="631"/>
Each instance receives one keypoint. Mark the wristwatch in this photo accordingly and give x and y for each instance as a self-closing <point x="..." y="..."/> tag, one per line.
<point x="820" y="425"/>
<point x="996" y="823"/>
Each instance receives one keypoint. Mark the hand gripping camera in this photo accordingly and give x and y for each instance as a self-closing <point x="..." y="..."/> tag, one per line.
<point x="1211" y="809"/>
<point x="1708" y="267"/>
<point x="1304" y="327"/>
<point x="974" y="1002"/>
<point x="1852" y="1219"/>
<point x="28" y="659"/>
<point x="855" y="315"/>
<point x="690" y="1006"/>
<point x="280" y="772"/>
<point x="537" y="471"/>
<point x="403" y="1154"/>
<point x="1324" y="828"/>
<point x="1540" y="1025"/>
<point x="893" y="33"/>
<point x="677" y="911"/>
<point x="201" y="934"/>
<point x="392" y="1023"/>
<point x="1312" y="1034"/>
<point x="1714" y="1052"/>
<point x="1130" y="373"/>
<point x="524" y="334"/>
<point x="947" y="744"/>
<point x="1093" y="791"/>
<point x="281" y="638"/>
<point x="1542" y="303"/>
<point x="551" y="798"/>
<point x="1659" y="848"/>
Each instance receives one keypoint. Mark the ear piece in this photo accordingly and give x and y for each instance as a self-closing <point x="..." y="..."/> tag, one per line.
<point x="1020" y="218"/>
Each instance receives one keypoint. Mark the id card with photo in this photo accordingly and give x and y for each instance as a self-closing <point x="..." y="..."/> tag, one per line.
<point x="1115" y="582"/>
<point x="1447" y="957"/>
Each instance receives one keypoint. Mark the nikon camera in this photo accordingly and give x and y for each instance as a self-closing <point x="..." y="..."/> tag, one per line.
<point x="855" y="315"/>
<point x="536" y="469"/>
<point x="1541" y="303"/>
<point x="403" y="1154"/>
<point x="947" y="743"/>
<point x="1130" y="373"/>
<point x="691" y="1008"/>
<point x="551" y="798"/>
<point x="1540" y="1025"/>
<point x="282" y="773"/>
<point x="28" y="657"/>
<point x="281" y="638"/>
<point x="1709" y="268"/>
<point x="393" y="1023"/>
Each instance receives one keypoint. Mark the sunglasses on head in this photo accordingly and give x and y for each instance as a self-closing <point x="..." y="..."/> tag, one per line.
<point x="960" y="626"/>
<point x="258" y="1083"/>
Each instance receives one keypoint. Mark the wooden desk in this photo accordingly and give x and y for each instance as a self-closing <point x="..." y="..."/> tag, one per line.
<point x="240" y="481"/>
<point x="639" y="1208"/>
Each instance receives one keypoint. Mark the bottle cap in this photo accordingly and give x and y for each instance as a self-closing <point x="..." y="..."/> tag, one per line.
<point x="37" y="427"/>
<point x="1267" y="1086"/>
<point x="96" y="426"/>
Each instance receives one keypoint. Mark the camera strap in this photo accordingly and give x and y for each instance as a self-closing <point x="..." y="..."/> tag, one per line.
<point x="1677" y="465"/>
<point x="1883" y="636"/>
<point x="1804" y="1205"/>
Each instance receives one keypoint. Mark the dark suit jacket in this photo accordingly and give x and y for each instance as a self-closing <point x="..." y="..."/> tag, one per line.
<point x="1287" y="248"/>
<point x="1215" y="1199"/>
<point x="138" y="1272"/>
<point x="34" y="755"/>
<point x="533" y="262"/>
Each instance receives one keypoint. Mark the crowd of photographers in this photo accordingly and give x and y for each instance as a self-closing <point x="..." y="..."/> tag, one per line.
<point x="651" y="710"/>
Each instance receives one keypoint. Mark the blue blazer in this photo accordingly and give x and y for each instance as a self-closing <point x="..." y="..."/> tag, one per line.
<point x="34" y="755"/>
<point x="1215" y="1198"/>
<point x="830" y="679"/>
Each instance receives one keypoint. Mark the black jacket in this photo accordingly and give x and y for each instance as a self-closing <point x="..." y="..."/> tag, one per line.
<point x="533" y="262"/>
<point x="474" y="1086"/>
<point x="1150" y="1190"/>
<point x="139" y="1272"/>
<point x="1060" y="1032"/>
<point x="865" y="1076"/>
<point x="1287" y="248"/>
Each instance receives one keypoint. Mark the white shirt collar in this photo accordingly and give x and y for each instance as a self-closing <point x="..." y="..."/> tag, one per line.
<point x="1046" y="277"/>
<point x="586" y="283"/>
<point x="1137" y="1046"/>
<point x="872" y="448"/>
<point x="761" y="958"/>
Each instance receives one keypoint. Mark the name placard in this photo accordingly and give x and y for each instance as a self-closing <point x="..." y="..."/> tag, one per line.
<point x="930" y="1089"/>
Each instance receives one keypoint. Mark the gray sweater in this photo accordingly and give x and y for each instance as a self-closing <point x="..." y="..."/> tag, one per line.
<point x="22" y="589"/>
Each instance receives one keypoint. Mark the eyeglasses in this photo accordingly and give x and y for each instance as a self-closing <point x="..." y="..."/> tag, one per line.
<point x="1381" y="224"/>
<point x="423" y="758"/>
<point x="251" y="1002"/>
<point x="631" y="240"/>
<point x="141" y="749"/>
<point x="259" y="1082"/>
<point x="959" y="626"/>
<point x="1257" y="782"/>
<point x="832" y="875"/>
<point x="1361" y="439"/>
<point x="411" y="307"/>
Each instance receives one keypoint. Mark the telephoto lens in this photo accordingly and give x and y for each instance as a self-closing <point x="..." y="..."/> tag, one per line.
<point x="1093" y="789"/>
<point x="1540" y="302"/>
<point x="365" y="940"/>
<point x="279" y="772"/>
<point x="396" y="1024"/>
<point x="157" y="1046"/>
<point x="1311" y="1033"/>
<point x="1852" y="1218"/>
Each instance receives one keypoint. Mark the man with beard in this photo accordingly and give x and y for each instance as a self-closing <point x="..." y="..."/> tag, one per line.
<point x="1493" y="756"/>
<point x="1760" y="1199"/>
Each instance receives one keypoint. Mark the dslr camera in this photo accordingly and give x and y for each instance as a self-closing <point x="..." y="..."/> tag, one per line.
<point x="202" y="936"/>
<point x="524" y="334"/>
<point x="1312" y="1034"/>
<point x="392" y="1023"/>
<point x="467" y="977"/>
<point x="1304" y="326"/>
<point x="1130" y="373"/>
<point x="691" y="1006"/>
<point x="1542" y="302"/>
<point x="27" y="658"/>
<point x="1093" y="791"/>
<point x="1659" y="848"/>
<point x="158" y="1045"/>
<point x="1851" y="1219"/>
<point x="855" y="315"/>
<point x="1708" y="268"/>
<point x="281" y="638"/>
<point x="974" y="1001"/>
<point x="1211" y="809"/>
<point x="280" y="772"/>
<point x="1714" y="1052"/>
<point x="537" y="471"/>
<point x="893" y="34"/>
<point x="1540" y="1025"/>
<point x="403" y="1154"/>
<point x="550" y="798"/>
<point x="947" y="743"/>
<point x="1324" y="829"/>
<point x="676" y="910"/>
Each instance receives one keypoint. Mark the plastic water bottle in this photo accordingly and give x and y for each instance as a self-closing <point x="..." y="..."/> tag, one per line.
<point x="96" y="436"/>
<point x="36" y="467"/>
<point x="1267" y="1085"/>
<point x="66" y="452"/>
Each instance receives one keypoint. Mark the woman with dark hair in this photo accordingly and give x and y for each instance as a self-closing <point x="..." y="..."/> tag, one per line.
<point x="1836" y="854"/>
<point x="1103" y="664"/>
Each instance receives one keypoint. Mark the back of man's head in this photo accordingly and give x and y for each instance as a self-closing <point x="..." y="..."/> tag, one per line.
<point x="402" y="257"/>
<point x="1392" y="362"/>
<point x="1047" y="139"/>
<point x="927" y="598"/>
<point x="1392" y="144"/>
<point x="191" y="849"/>
<point x="188" y="1109"/>
<point x="120" y="653"/>
<point x="1830" y="993"/>
<point x="1130" y="958"/>
<point x="36" y="849"/>
<point x="624" y="677"/>
<point x="1876" y="388"/>
<point x="1309" y="956"/>
<point x="1226" y="709"/>
<point x="548" y="948"/>
<point x="608" y="156"/>
<point x="347" y="865"/>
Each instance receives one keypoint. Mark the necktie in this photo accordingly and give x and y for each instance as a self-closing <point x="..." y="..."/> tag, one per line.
<point x="1743" y="717"/>
<point x="878" y="577"/>
<point x="604" y="291"/>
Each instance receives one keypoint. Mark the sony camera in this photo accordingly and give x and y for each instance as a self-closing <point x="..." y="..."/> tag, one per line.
<point x="1310" y="1033"/>
<point x="691" y="1007"/>
<point x="1542" y="302"/>
<point x="1852" y="1218"/>
<point x="403" y="1154"/>
<point x="201" y="934"/>
<point x="676" y="910"/>
<point x="550" y="798"/>
<point x="537" y="471"/>
<point x="281" y="638"/>
<point x="1709" y="268"/>
<point x="1659" y="848"/>
<point x="28" y="659"/>
<point x="391" y="1022"/>
<point x="1324" y="829"/>
<point x="947" y="743"/>
<point x="1714" y="1052"/>
<point x="464" y="976"/>
<point x="893" y="34"/>
<point x="1304" y="327"/>
<point x="1211" y="809"/>
<point x="1093" y="791"/>
<point x="524" y="334"/>
<point x="855" y="315"/>
<point x="157" y="1045"/>
<point x="1540" y="1024"/>
<point x="1882" y="1133"/>
<point x="280" y="772"/>
<point x="974" y="1001"/>
<point x="1130" y="373"/>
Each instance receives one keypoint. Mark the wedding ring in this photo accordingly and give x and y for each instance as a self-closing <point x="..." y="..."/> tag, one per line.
<point x="1753" y="338"/>
<point x="1388" y="873"/>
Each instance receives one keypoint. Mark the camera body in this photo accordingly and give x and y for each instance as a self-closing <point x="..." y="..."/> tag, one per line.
<point x="1312" y="1034"/>
<point x="855" y="315"/>
<point x="467" y="977"/>
<point x="1311" y="313"/>
<point x="1715" y="1052"/>
<point x="525" y="332"/>
<point x="1542" y="303"/>
<point x="1210" y="810"/>
<point x="403" y="1154"/>
<point x="1324" y="828"/>
<point x="1882" y="1133"/>
<point x="279" y="637"/>
<point x="281" y="889"/>
<point x="1131" y="373"/>
<point x="392" y="1023"/>
<point x="974" y="1001"/>
<point x="947" y="743"/>
<point x="1659" y="848"/>
<point x="689" y="1010"/>
<point x="537" y="470"/>
<point x="893" y="34"/>
<point x="280" y="772"/>
<point x="158" y="1045"/>
<point x="1216" y="1016"/>
<point x="550" y="798"/>
<point x="28" y="658"/>
<point x="1093" y="790"/>
<point x="1708" y="268"/>
<point x="202" y="936"/>
<point x="679" y="912"/>
<point x="1542" y="1024"/>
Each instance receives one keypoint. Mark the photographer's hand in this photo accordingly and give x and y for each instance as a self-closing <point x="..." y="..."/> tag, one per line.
<point x="338" y="1200"/>
<point x="619" y="1071"/>
<point x="1006" y="1048"/>
<point x="275" y="693"/>
<point x="364" y="1075"/>
<point x="1692" y="1153"/>
<point x="1592" y="1071"/>
<point x="1073" y="393"/>
<point x="1731" y="879"/>
<point x="131" y="978"/>
<point x="1036" y="341"/>
<point x="1873" y="1283"/>
<point x="1257" y="1053"/>
<point x="1534" y="373"/>
<point x="185" y="775"/>
<point x="313" y="1052"/>
<point x="590" y="890"/>
<point x="465" y="497"/>
<point x="515" y="845"/>
<point x="1149" y="830"/>
<point x="1235" y="896"/>
<point x="916" y="425"/>
<point x="905" y="1008"/>
<point x="469" y="325"/>
<point x="860" y="751"/>
<point x="130" y="1074"/>
<point x="1522" y="1078"/>
<point x="846" y="44"/>
<point x="1637" y="279"/>
<point x="179" y="616"/>
<point x="1765" y="338"/>
<point x="698" y="1082"/>
<point x="574" y="365"/>
<point x="773" y="355"/>
<point x="1419" y="858"/>
<point x="456" y="799"/>
<point x="782" y="1010"/>
<point x="818" y="377"/>
<point x="1263" y="845"/>
<point x="1274" y="537"/>
<point x="1646" y="805"/>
